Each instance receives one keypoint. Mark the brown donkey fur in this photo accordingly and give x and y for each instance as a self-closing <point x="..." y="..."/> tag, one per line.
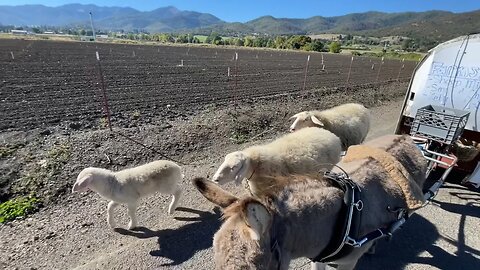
<point x="299" y="220"/>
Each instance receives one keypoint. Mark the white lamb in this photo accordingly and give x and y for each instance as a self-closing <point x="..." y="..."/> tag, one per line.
<point x="129" y="185"/>
<point x="350" y="122"/>
<point x="307" y="151"/>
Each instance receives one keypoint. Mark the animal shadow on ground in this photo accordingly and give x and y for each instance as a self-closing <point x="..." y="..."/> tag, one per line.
<point x="419" y="235"/>
<point x="180" y="244"/>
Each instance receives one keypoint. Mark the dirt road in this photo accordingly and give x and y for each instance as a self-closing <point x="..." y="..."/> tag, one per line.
<point x="74" y="235"/>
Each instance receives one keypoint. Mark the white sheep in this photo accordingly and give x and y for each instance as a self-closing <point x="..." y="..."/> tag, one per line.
<point x="307" y="151"/>
<point x="129" y="185"/>
<point x="350" y="122"/>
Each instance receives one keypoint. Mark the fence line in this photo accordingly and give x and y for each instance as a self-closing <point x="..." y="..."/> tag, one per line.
<point x="151" y="79"/>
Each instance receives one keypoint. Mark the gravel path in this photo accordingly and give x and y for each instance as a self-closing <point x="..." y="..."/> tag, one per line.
<point x="74" y="235"/>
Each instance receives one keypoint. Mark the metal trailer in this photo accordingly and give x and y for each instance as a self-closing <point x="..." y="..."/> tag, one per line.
<point x="442" y="105"/>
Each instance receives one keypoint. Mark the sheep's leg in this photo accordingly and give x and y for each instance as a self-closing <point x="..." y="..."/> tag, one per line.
<point x="318" y="266"/>
<point x="175" y="200"/>
<point x="131" y="211"/>
<point x="110" y="209"/>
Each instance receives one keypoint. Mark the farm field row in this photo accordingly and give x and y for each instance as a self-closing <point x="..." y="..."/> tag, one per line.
<point x="43" y="83"/>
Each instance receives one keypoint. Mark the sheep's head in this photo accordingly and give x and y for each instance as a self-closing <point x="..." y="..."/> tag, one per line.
<point x="305" y="119"/>
<point x="235" y="167"/>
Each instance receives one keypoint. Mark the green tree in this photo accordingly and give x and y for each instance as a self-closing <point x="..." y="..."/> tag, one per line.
<point x="271" y="43"/>
<point x="335" y="47"/>
<point x="182" y="38"/>
<point x="214" y="38"/>
<point x="298" y="42"/>
<point x="315" y="45"/>
<point x="131" y="36"/>
<point x="83" y="32"/>
<point x="248" y="42"/>
<point x="260" y="42"/>
<point x="408" y="45"/>
<point x="238" y="42"/>
<point x="195" y="40"/>
<point x="280" y="42"/>
<point x="165" y="38"/>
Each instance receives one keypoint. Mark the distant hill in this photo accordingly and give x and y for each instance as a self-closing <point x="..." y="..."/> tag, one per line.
<point x="167" y="19"/>
<point x="436" y="25"/>
<point x="28" y="15"/>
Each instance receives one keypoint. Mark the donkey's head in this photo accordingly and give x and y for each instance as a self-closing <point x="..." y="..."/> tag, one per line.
<point x="244" y="239"/>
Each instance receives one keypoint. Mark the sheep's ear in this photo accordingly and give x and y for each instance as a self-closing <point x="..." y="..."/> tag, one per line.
<point x="214" y="192"/>
<point x="316" y="121"/>
<point x="296" y="115"/>
<point x="82" y="183"/>
<point x="257" y="219"/>
<point x="242" y="171"/>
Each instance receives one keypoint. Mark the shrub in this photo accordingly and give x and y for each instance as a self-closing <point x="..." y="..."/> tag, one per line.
<point x="335" y="47"/>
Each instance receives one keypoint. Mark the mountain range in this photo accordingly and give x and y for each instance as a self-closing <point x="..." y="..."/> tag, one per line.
<point x="439" y="25"/>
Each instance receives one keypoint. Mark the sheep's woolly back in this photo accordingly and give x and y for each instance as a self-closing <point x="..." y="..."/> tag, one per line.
<point x="412" y="192"/>
<point x="307" y="151"/>
<point x="350" y="122"/>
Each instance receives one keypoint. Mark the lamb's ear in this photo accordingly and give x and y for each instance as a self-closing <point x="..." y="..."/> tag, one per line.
<point x="82" y="183"/>
<point x="316" y="121"/>
<point x="214" y="192"/>
<point x="257" y="219"/>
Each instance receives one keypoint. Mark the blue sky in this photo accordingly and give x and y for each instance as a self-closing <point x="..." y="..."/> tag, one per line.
<point x="244" y="10"/>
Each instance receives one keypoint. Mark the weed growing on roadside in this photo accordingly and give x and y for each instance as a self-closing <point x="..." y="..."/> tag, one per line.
<point x="136" y="114"/>
<point x="18" y="207"/>
<point x="9" y="149"/>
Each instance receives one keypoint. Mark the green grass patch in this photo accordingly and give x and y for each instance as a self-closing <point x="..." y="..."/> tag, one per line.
<point x="202" y="38"/>
<point x="239" y="137"/>
<point x="18" y="207"/>
<point x="45" y="171"/>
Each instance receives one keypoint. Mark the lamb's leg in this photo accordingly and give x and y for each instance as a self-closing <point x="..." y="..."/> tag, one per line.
<point x="131" y="211"/>
<point x="175" y="200"/>
<point x="110" y="209"/>
<point x="318" y="266"/>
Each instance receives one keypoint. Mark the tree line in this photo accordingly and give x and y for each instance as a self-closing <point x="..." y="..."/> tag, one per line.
<point x="294" y="42"/>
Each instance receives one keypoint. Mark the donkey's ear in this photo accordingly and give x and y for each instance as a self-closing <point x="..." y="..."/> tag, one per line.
<point x="258" y="219"/>
<point x="214" y="192"/>
<point x="316" y="121"/>
<point x="82" y="183"/>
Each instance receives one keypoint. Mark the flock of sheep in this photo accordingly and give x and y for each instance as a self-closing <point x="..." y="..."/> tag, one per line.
<point x="315" y="144"/>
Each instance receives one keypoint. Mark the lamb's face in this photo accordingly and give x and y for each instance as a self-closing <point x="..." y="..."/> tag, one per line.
<point x="303" y="120"/>
<point x="84" y="180"/>
<point x="234" y="168"/>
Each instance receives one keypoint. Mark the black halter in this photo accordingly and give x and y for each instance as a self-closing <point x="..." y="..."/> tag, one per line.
<point x="348" y="222"/>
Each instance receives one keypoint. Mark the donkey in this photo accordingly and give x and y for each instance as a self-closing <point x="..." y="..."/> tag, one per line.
<point x="300" y="220"/>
